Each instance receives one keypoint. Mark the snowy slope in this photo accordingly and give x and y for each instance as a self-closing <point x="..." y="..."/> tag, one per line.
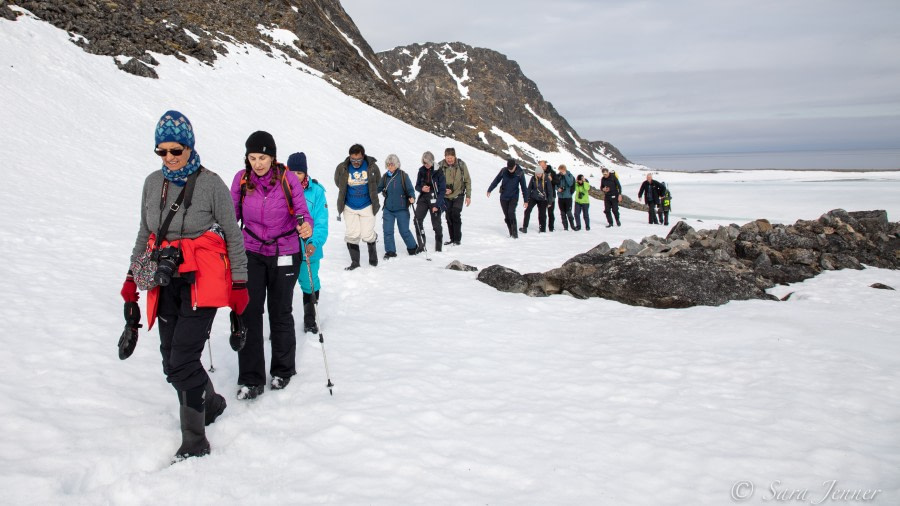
<point x="446" y="391"/>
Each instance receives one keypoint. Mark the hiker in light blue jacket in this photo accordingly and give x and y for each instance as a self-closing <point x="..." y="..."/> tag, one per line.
<point x="318" y="208"/>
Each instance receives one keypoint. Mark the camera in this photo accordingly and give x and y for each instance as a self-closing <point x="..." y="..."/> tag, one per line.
<point x="168" y="258"/>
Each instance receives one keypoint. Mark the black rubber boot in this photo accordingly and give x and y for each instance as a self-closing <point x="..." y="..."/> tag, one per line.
<point x="373" y="254"/>
<point x="214" y="403"/>
<point x="193" y="426"/>
<point x="354" y="256"/>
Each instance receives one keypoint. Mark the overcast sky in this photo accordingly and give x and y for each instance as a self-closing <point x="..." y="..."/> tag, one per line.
<point x="661" y="77"/>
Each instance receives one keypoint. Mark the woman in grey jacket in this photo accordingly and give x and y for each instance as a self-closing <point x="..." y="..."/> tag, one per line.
<point x="183" y="326"/>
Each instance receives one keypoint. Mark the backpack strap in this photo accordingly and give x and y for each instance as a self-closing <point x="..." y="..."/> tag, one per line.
<point x="286" y="187"/>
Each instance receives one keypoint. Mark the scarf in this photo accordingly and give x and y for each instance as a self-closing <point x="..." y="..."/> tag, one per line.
<point x="179" y="177"/>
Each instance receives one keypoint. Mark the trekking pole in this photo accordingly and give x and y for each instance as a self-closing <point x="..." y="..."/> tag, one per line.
<point x="209" y="342"/>
<point x="312" y="294"/>
<point x="420" y="233"/>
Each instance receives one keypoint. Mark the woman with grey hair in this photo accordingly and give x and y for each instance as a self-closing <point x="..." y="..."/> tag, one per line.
<point x="431" y="185"/>
<point x="398" y="193"/>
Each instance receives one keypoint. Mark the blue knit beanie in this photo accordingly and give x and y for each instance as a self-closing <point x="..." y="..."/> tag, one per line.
<point x="175" y="127"/>
<point x="297" y="162"/>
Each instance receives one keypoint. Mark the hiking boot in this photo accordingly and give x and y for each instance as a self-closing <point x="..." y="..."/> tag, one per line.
<point x="311" y="328"/>
<point x="250" y="392"/>
<point x="389" y="255"/>
<point x="214" y="404"/>
<point x="193" y="427"/>
<point x="279" y="383"/>
<point x="354" y="256"/>
<point x="373" y="254"/>
<point x="412" y="251"/>
<point x="523" y="230"/>
<point x="609" y="226"/>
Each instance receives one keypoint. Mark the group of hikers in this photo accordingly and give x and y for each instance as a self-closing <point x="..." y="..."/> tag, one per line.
<point x="202" y="245"/>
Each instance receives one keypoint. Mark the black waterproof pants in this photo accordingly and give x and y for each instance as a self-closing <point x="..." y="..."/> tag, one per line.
<point x="183" y="332"/>
<point x="565" y="213"/>
<point x="423" y="207"/>
<point x="541" y="206"/>
<point x="651" y="213"/>
<point x="273" y="286"/>
<point x="454" y="218"/>
<point x="551" y="218"/>
<point x="509" y="215"/>
<point x="610" y="209"/>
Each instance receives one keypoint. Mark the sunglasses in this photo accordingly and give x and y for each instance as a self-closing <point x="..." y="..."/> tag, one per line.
<point x="356" y="161"/>
<point x="165" y="152"/>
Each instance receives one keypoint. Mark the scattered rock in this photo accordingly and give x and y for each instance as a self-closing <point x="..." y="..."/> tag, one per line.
<point x="881" y="286"/>
<point x="456" y="265"/>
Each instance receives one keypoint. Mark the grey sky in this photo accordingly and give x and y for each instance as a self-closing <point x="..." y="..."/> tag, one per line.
<point x="692" y="76"/>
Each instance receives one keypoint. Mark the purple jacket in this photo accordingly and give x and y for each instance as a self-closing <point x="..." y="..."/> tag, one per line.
<point x="265" y="213"/>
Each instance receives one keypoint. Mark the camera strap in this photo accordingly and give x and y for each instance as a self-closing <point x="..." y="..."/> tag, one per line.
<point x="185" y="196"/>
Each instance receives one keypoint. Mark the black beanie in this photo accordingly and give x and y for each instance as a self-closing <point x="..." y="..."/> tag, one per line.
<point x="511" y="163"/>
<point x="260" y="142"/>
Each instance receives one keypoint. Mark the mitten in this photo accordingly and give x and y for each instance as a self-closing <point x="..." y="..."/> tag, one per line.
<point x="238" y="332"/>
<point x="239" y="297"/>
<point x="128" y="340"/>
<point x="129" y="289"/>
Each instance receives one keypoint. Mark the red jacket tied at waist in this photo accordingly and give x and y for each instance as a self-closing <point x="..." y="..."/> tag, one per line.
<point x="207" y="258"/>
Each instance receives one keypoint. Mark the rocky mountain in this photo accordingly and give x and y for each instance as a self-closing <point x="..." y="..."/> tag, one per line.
<point x="317" y="33"/>
<point x="477" y="96"/>
<point x="483" y="98"/>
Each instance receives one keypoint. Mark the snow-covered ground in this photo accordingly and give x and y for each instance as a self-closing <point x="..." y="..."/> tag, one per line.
<point x="446" y="391"/>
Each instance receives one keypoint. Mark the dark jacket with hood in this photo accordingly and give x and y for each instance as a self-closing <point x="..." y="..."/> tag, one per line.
<point x="611" y="182"/>
<point x="651" y="191"/>
<point x="341" y="180"/>
<point x="540" y="189"/>
<point x="434" y="178"/>
<point x="510" y="182"/>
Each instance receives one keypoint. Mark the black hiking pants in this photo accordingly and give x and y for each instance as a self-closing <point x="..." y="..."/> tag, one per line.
<point x="454" y="218"/>
<point x="611" y="208"/>
<point x="509" y="215"/>
<point x="272" y="286"/>
<point x="542" y="214"/>
<point x="423" y="207"/>
<point x="565" y="213"/>
<point x="183" y="332"/>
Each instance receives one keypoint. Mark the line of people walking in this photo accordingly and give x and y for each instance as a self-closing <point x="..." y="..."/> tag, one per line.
<point x="201" y="246"/>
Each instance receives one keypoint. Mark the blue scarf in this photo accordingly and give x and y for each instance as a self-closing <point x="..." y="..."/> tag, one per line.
<point x="179" y="177"/>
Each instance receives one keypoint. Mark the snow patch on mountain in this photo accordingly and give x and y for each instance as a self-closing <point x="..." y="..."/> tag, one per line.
<point x="455" y="56"/>
<point x="360" y="51"/>
<point x="415" y="67"/>
<point x="281" y="36"/>
<point x="546" y="123"/>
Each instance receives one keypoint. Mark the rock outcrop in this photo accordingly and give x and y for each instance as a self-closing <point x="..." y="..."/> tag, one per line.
<point x="711" y="267"/>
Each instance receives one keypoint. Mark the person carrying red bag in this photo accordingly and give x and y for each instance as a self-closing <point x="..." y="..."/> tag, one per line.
<point x="200" y="253"/>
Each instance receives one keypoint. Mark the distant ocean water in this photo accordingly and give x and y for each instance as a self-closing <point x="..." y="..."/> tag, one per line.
<point x="883" y="159"/>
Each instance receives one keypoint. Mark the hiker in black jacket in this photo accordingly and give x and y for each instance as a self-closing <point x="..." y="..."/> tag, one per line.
<point x="651" y="190"/>
<point x="510" y="179"/>
<point x="431" y="185"/>
<point x="612" y="196"/>
<point x="550" y="176"/>
<point x="540" y="190"/>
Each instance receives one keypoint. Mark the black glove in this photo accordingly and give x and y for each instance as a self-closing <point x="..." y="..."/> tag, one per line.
<point x="238" y="332"/>
<point x="128" y="340"/>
